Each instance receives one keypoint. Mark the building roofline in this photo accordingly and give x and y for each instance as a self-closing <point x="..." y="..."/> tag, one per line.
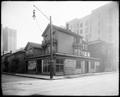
<point x="33" y="46"/>
<point x="99" y="41"/>
<point x="64" y="55"/>
<point x="103" y="6"/>
<point x="70" y="55"/>
<point x="61" y="30"/>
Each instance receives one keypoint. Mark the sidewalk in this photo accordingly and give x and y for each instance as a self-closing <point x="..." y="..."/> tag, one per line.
<point x="47" y="77"/>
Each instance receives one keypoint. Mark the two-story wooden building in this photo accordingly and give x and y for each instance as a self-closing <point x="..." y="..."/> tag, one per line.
<point x="71" y="54"/>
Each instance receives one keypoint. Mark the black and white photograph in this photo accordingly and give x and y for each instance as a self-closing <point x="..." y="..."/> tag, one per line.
<point x="60" y="48"/>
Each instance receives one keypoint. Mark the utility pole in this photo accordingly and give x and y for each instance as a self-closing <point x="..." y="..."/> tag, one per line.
<point x="51" y="51"/>
<point x="51" y="41"/>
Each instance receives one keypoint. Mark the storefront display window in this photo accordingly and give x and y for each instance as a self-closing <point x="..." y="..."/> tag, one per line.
<point x="59" y="65"/>
<point x="46" y="66"/>
<point x="31" y="65"/>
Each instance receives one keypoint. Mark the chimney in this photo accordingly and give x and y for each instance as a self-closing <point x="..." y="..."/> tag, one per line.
<point x="67" y="26"/>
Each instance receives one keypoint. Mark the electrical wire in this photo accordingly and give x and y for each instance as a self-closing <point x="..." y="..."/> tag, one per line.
<point x="36" y="22"/>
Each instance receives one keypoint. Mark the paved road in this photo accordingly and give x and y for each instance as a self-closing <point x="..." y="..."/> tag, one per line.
<point x="106" y="84"/>
<point x="11" y="78"/>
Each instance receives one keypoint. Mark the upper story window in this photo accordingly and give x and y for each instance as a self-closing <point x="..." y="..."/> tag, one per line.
<point x="86" y="30"/>
<point x="86" y="47"/>
<point x="46" y="37"/>
<point x="86" y="23"/>
<point x="81" y="31"/>
<point x="77" y="31"/>
<point x="81" y="24"/>
<point x="77" y="40"/>
<point x="88" y="54"/>
<point x="71" y="27"/>
<point x="76" y="51"/>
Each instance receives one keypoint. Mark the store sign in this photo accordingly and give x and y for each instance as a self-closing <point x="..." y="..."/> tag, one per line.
<point x="31" y="65"/>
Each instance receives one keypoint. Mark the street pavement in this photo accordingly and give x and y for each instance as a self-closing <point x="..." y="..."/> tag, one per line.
<point x="103" y="85"/>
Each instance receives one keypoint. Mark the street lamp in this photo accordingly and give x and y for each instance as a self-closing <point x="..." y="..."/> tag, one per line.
<point x="34" y="14"/>
<point x="51" y="41"/>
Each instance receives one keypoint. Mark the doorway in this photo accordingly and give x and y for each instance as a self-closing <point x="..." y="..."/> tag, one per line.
<point x="39" y="66"/>
<point x="86" y="66"/>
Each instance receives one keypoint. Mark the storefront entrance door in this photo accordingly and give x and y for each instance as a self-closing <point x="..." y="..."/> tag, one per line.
<point x="86" y="67"/>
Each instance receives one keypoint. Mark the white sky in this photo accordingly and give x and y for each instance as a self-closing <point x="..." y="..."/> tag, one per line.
<point x="18" y="15"/>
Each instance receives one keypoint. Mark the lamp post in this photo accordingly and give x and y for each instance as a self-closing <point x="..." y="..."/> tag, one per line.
<point x="51" y="41"/>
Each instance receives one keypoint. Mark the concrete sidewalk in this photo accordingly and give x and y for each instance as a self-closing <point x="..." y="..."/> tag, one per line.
<point x="47" y="77"/>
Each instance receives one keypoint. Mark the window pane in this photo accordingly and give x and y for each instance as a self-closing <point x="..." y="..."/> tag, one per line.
<point x="61" y="68"/>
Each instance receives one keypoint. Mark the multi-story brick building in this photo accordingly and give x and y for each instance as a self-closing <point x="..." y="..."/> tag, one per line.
<point x="70" y="53"/>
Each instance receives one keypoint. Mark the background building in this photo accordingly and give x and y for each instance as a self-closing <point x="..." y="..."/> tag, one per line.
<point x="1" y="40"/>
<point x="101" y="24"/>
<point x="9" y="39"/>
<point x="104" y="22"/>
<point x="104" y="51"/>
<point x="80" y="26"/>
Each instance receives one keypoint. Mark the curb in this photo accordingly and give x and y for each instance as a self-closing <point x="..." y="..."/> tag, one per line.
<point x="89" y="74"/>
<point x="26" y="76"/>
<point x="65" y="77"/>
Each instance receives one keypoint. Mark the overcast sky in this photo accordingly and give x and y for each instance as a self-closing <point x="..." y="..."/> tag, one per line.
<point x="18" y="15"/>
